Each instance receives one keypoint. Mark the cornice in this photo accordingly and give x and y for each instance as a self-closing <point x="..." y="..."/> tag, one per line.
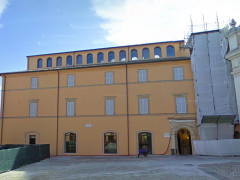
<point x="233" y="54"/>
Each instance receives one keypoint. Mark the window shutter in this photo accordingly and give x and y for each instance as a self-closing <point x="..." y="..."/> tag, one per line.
<point x="142" y="75"/>
<point x="109" y="77"/>
<point x="109" y="107"/>
<point x="181" y="104"/>
<point x="112" y="107"/>
<point x="178" y="73"/>
<point x="146" y="105"/>
<point x="34" y="83"/>
<point x="143" y="105"/>
<point x="33" y="109"/>
<point x="71" y="80"/>
<point x="70" y="108"/>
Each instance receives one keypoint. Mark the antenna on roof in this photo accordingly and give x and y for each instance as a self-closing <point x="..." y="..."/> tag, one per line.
<point x="191" y="23"/>
<point x="204" y="27"/>
<point x="217" y="21"/>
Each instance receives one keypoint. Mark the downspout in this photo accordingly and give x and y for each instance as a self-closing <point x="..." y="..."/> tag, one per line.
<point x="57" y="113"/>
<point x="127" y="108"/>
<point x="3" y="102"/>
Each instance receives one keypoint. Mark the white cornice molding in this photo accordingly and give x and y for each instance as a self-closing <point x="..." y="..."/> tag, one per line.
<point x="233" y="54"/>
<point x="236" y="71"/>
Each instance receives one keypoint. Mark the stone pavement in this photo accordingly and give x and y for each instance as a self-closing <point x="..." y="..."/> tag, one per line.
<point x="130" y="167"/>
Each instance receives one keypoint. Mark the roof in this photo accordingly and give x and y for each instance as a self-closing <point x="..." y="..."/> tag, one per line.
<point x="107" y="48"/>
<point x="205" y="32"/>
<point x="103" y="64"/>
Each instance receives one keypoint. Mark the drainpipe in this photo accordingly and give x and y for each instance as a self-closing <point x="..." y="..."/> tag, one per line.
<point x="127" y="107"/>
<point x="57" y="113"/>
<point x="3" y="102"/>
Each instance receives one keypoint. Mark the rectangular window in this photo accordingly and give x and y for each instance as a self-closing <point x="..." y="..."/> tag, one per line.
<point x="109" y="103"/>
<point x="33" y="109"/>
<point x="142" y="75"/>
<point x="34" y="83"/>
<point x="109" y="77"/>
<point x="32" y="139"/>
<point x="143" y="105"/>
<point x="181" y="104"/>
<point x="71" y="80"/>
<point x="178" y="73"/>
<point x="71" y="108"/>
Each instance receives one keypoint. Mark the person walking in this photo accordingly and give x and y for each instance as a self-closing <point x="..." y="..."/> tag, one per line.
<point x="140" y="152"/>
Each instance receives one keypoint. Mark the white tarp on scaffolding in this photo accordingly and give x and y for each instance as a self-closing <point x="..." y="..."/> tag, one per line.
<point x="214" y="86"/>
<point x="217" y="147"/>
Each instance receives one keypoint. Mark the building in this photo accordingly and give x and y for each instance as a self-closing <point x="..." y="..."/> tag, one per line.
<point x="214" y="86"/>
<point x="233" y="55"/>
<point x="107" y="101"/>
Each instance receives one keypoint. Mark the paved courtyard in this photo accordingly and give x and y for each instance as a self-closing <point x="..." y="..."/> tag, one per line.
<point x="124" y="167"/>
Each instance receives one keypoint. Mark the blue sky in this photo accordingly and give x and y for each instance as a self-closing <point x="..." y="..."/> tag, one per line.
<point x="29" y="27"/>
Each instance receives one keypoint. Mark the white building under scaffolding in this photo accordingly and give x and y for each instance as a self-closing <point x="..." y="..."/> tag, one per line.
<point x="214" y="87"/>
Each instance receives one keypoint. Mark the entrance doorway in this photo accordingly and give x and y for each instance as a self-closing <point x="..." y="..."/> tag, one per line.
<point x="145" y="141"/>
<point x="70" y="143"/>
<point x="184" y="142"/>
<point x="32" y="139"/>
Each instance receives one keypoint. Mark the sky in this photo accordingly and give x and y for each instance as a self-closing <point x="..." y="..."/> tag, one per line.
<point x="31" y="27"/>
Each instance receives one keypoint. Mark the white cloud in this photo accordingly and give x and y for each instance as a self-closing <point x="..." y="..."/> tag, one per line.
<point x="142" y="21"/>
<point x="3" y="5"/>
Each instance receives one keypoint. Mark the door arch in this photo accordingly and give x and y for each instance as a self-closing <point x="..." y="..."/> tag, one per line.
<point x="184" y="141"/>
<point x="145" y="141"/>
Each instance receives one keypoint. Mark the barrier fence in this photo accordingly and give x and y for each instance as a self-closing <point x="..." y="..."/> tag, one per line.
<point x="13" y="156"/>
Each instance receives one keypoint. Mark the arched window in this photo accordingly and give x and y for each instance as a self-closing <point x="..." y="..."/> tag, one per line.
<point x="100" y="57"/>
<point x="170" y="51"/>
<point x="79" y="59"/>
<point x="145" y="53"/>
<point x="110" y="143"/>
<point x="111" y="56"/>
<point x="157" y="52"/>
<point x="69" y="60"/>
<point x="49" y="62"/>
<point x="145" y="141"/>
<point x="39" y="63"/>
<point x="89" y="58"/>
<point x="122" y="55"/>
<point x="59" y="61"/>
<point x="70" y="142"/>
<point x="134" y="54"/>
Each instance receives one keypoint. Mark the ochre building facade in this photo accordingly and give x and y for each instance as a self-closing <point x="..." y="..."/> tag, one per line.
<point x="109" y="101"/>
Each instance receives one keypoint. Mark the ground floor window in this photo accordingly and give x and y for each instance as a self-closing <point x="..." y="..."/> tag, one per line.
<point x="110" y="143"/>
<point x="70" y="143"/>
<point x="32" y="139"/>
<point x="145" y="141"/>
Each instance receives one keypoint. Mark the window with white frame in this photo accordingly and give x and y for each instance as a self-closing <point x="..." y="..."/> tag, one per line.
<point x="33" y="109"/>
<point x="34" y="83"/>
<point x="181" y="104"/>
<point x="142" y="75"/>
<point x="71" y="80"/>
<point x="143" y="105"/>
<point x="109" y="103"/>
<point x="70" y="108"/>
<point x="109" y="77"/>
<point x="178" y="73"/>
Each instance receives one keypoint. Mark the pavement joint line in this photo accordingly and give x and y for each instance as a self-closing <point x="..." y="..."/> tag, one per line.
<point x="216" y="175"/>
